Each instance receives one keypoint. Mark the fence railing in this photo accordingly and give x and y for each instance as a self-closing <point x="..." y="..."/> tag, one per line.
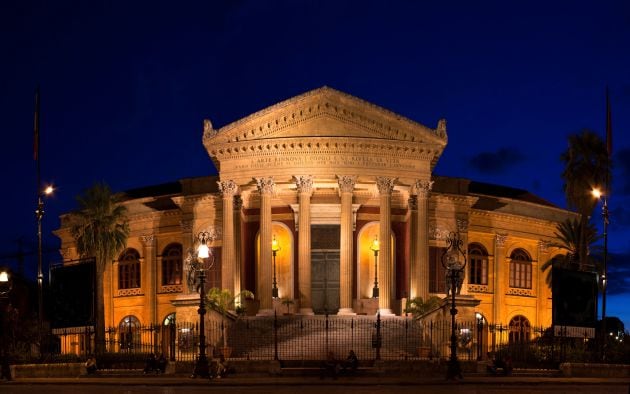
<point x="311" y="337"/>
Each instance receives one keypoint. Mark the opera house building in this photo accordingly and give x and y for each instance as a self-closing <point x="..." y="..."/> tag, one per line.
<point x="331" y="202"/>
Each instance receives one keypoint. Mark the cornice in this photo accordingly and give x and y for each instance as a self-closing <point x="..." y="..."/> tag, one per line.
<point x="331" y="102"/>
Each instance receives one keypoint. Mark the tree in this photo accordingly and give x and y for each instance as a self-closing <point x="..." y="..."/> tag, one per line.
<point x="100" y="229"/>
<point x="220" y="301"/>
<point x="568" y="234"/>
<point x="586" y="166"/>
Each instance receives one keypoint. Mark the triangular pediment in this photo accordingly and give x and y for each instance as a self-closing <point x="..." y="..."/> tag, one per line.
<point x="324" y="112"/>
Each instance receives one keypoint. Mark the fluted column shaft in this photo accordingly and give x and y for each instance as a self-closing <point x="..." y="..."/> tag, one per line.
<point x="265" y="187"/>
<point x="187" y="245"/>
<point x="385" y="265"/>
<point x="305" y="189"/>
<point x="151" y="275"/>
<point x="421" y="273"/>
<point x="238" y="267"/>
<point x="500" y="278"/>
<point x="346" y="187"/>
<point x="228" y="254"/>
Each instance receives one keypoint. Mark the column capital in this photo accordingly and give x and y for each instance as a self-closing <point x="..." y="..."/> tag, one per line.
<point x="423" y="188"/>
<point x="227" y="188"/>
<point x="186" y="226"/>
<point x="413" y="202"/>
<point x="543" y="245"/>
<point x="265" y="185"/>
<point x="462" y="224"/>
<point x="304" y="183"/>
<point x="500" y="240"/>
<point x="385" y="185"/>
<point x="148" y="240"/>
<point x="346" y="183"/>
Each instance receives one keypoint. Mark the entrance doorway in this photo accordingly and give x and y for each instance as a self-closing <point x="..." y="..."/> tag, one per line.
<point x="325" y="268"/>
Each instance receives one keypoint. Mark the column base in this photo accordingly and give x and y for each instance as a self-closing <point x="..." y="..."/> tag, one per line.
<point x="386" y="312"/>
<point x="306" y="311"/>
<point x="346" y="312"/>
<point x="265" y="312"/>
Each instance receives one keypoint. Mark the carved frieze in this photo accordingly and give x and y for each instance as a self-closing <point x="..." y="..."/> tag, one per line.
<point x="462" y="225"/>
<point x="148" y="240"/>
<point x="436" y="233"/>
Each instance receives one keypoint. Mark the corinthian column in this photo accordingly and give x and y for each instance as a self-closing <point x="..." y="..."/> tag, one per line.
<point x="228" y="254"/>
<point x="305" y="189"/>
<point x="346" y="187"/>
<point x="420" y="232"/>
<point x="385" y="265"/>
<point x="151" y="274"/>
<point x="500" y="278"/>
<point x="238" y="267"/>
<point x="265" y="188"/>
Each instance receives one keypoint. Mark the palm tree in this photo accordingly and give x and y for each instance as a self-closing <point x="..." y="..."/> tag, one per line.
<point x="568" y="234"/>
<point x="586" y="166"/>
<point x="100" y="229"/>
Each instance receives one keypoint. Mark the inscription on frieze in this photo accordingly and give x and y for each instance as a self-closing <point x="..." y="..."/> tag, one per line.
<point x="325" y="160"/>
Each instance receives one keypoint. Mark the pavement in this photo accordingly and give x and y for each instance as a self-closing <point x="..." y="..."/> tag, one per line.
<point x="271" y="380"/>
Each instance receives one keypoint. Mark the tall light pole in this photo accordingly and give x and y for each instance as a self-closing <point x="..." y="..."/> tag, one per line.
<point x="275" y="248"/>
<point x="454" y="271"/>
<point x="602" y="196"/>
<point x="375" y="248"/>
<point x="197" y="263"/>
<point x="39" y="214"/>
<point x="479" y="318"/>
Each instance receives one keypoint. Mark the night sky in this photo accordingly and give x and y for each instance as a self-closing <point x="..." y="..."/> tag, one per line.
<point x="125" y="86"/>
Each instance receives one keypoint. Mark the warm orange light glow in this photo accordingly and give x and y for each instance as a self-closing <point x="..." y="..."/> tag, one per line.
<point x="375" y="246"/>
<point x="4" y="277"/>
<point x="275" y="246"/>
<point x="203" y="252"/>
<point x="597" y="193"/>
<point x="48" y="190"/>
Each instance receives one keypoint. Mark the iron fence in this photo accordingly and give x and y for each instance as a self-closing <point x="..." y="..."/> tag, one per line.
<point x="312" y="337"/>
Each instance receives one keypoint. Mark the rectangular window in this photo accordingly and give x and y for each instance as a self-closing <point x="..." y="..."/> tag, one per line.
<point x="521" y="274"/>
<point x="437" y="273"/>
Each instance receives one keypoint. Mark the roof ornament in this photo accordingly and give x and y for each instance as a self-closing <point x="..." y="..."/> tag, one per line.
<point x="441" y="128"/>
<point x="208" y="131"/>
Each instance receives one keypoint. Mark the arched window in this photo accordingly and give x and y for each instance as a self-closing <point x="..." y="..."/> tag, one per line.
<point x="478" y="263"/>
<point x="129" y="329"/>
<point x="519" y="329"/>
<point x="172" y="265"/>
<point x="129" y="270"/>
<point x="520" y="269"/>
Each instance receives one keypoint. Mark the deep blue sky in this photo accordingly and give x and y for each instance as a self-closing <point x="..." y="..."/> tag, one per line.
<point x="125" y="86"/>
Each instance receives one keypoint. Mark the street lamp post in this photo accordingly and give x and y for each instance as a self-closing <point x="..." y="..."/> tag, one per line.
<point x="39" y="215"/>
<point x="479" y="318"/>
<point x="197" y="263"/>
<point x="5" y="289"/>
<point x="454" y="270"/>
<point x="599" y="195"/>
<point x="275" y="248"/>
<point x="375" y="248"/>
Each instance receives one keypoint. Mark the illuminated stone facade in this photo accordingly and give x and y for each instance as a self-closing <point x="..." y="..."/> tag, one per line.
<point x="325" y="174"/>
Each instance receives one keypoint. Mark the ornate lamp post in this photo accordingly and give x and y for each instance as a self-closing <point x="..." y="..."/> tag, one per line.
<point x="602" y="196"/>
<point x="39" y="215"/>
<point x="480" y="319"/>
<point x="454" y="274"/>
<point x="197" y="263"/>
<point x="375" y="248"/>
<point x="275" y="248"/>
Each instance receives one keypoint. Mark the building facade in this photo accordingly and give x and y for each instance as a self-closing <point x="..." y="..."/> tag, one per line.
<point x="322" y="176"/>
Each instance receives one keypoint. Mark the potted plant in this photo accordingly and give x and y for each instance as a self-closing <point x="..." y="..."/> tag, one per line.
<point x="220" y="301"/>
<point x="419" y="308"/>
<point x="286" y="301"/>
